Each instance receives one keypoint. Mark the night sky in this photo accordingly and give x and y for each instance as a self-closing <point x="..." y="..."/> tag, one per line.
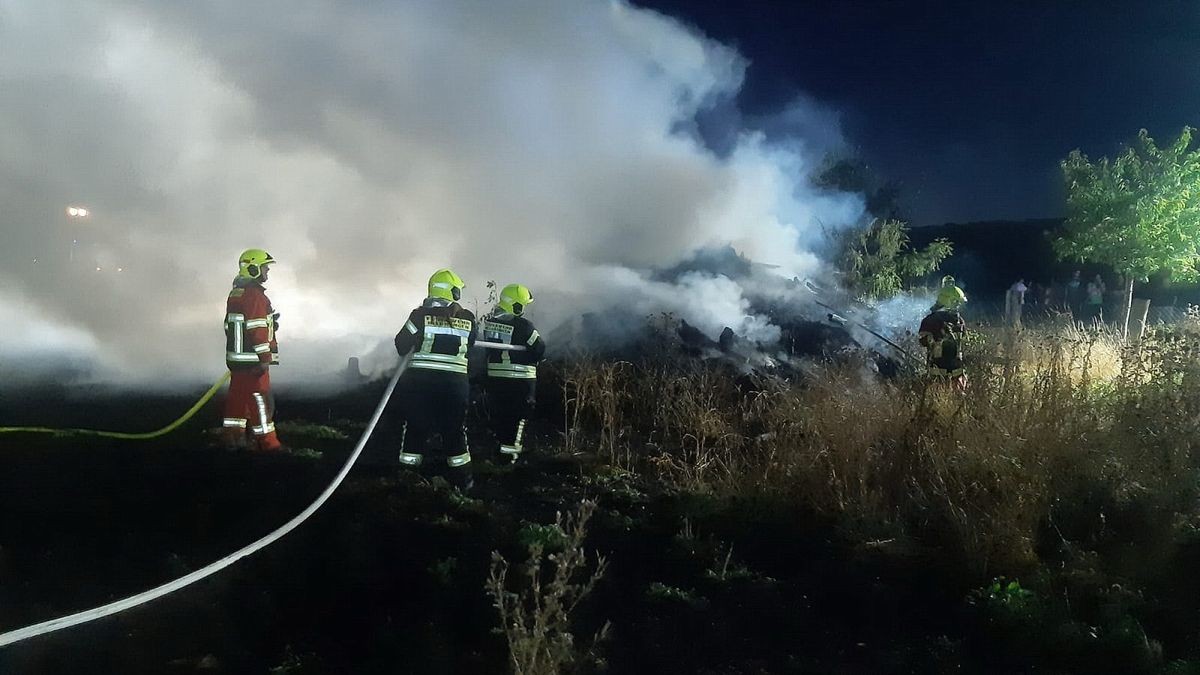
<point x="968" y="105"/>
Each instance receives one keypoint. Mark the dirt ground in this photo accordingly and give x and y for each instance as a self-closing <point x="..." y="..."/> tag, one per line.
<point x="389" y="576"/>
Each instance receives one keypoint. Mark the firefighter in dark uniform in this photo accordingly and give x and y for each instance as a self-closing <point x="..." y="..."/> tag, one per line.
<point x="941" y="334"/>
<point x="434" y="390"/>
<point x="511" y="383"/>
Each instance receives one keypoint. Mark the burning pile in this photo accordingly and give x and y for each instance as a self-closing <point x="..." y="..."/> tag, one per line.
<point x="802" y="329"/>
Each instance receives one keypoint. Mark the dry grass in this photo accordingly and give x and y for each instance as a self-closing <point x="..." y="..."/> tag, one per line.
<point x="594" y="398"/>
<point x="1050" y="415"/>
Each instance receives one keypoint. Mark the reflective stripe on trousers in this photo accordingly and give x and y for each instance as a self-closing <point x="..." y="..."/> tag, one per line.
<point x="265" y="426"/>
<point x="408" y="458"/>
<point x="515" y="449"/>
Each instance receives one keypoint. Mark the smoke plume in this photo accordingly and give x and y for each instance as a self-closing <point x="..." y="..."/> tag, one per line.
<point x="548" y="142"/>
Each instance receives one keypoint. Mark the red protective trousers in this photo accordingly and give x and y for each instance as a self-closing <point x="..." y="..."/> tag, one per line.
<point x="249" y="410"/>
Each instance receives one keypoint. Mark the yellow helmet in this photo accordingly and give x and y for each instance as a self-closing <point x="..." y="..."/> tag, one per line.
<point x="251" y="262"/>
<point x="446" y="285"/>
<point x="951" y="297"/>
<point x="514" y="299"/>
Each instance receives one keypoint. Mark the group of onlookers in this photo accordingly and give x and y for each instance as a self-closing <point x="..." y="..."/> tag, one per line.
<point x="1084" y="301"/>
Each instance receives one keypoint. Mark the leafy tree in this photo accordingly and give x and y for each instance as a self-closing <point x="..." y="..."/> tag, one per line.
<point x="1138" y="213"/>
<point x="876" y="261"/>
<point x="851" y="174"/>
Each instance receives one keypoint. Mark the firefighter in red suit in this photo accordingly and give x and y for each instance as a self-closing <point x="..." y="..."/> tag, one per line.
<point x="250" y="351"/>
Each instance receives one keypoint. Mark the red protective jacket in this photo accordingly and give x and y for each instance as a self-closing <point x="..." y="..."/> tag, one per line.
<point x="250" y="323"/>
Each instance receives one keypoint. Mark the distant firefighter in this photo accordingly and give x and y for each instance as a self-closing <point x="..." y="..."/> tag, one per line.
<point x="950" y="295"/>
<point x="434" y="390"/>
<point x="250" y="351"/>
<point x="511" y="382"/>
<point x="941" y="334"/>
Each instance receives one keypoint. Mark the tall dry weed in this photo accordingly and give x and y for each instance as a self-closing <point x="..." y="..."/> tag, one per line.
<point x="536" y="620"/>
<point x="1049" y="415"/>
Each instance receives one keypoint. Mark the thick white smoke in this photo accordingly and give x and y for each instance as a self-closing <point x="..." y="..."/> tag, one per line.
<point x="365" y="145"/>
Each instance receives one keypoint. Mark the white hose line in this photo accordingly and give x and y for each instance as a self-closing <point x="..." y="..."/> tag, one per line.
<point x="208" y="570"/>
<point x="501" y="346"/>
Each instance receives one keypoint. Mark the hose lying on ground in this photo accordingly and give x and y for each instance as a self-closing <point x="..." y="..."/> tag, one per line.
<point x="123" y="435"/>
<point x="212" y="568"/>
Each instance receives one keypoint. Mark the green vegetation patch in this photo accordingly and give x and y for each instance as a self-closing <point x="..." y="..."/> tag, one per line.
<point x="550" y="538"/>
<point x="666" y="593"/>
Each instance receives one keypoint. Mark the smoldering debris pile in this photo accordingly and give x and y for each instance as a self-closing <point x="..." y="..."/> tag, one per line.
<point x="805" y="331"/>
<point x="802" y="344"/>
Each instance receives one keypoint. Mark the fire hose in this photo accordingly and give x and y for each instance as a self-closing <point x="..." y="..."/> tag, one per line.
<point x="863" y="326"/>
<point x="143" y="436"/>
<point x="500" y="346"/>
<point x="214" y="567"/>
<point x="812" y="288"/>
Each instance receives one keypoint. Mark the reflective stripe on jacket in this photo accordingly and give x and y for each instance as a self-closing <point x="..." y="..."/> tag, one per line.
<point x="513" y="330"/>
<point x="249" y="327"/>
<point x="438" y="333"/>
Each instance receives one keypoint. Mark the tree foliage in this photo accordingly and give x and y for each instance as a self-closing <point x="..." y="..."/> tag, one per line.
<point x="877" y="262"/>
<point x="851" y="174"/>
<point x="1138" y="213"/>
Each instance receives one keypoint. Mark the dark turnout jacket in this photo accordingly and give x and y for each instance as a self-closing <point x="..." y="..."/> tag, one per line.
<point x="940" y="333"/>
<point x="510" y="329"/>
<point x="438" y="334"/>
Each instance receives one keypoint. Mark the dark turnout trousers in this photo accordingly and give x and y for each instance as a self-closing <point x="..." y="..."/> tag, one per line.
<point x="510" y="405"/>
<point x="434" y="403"/>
